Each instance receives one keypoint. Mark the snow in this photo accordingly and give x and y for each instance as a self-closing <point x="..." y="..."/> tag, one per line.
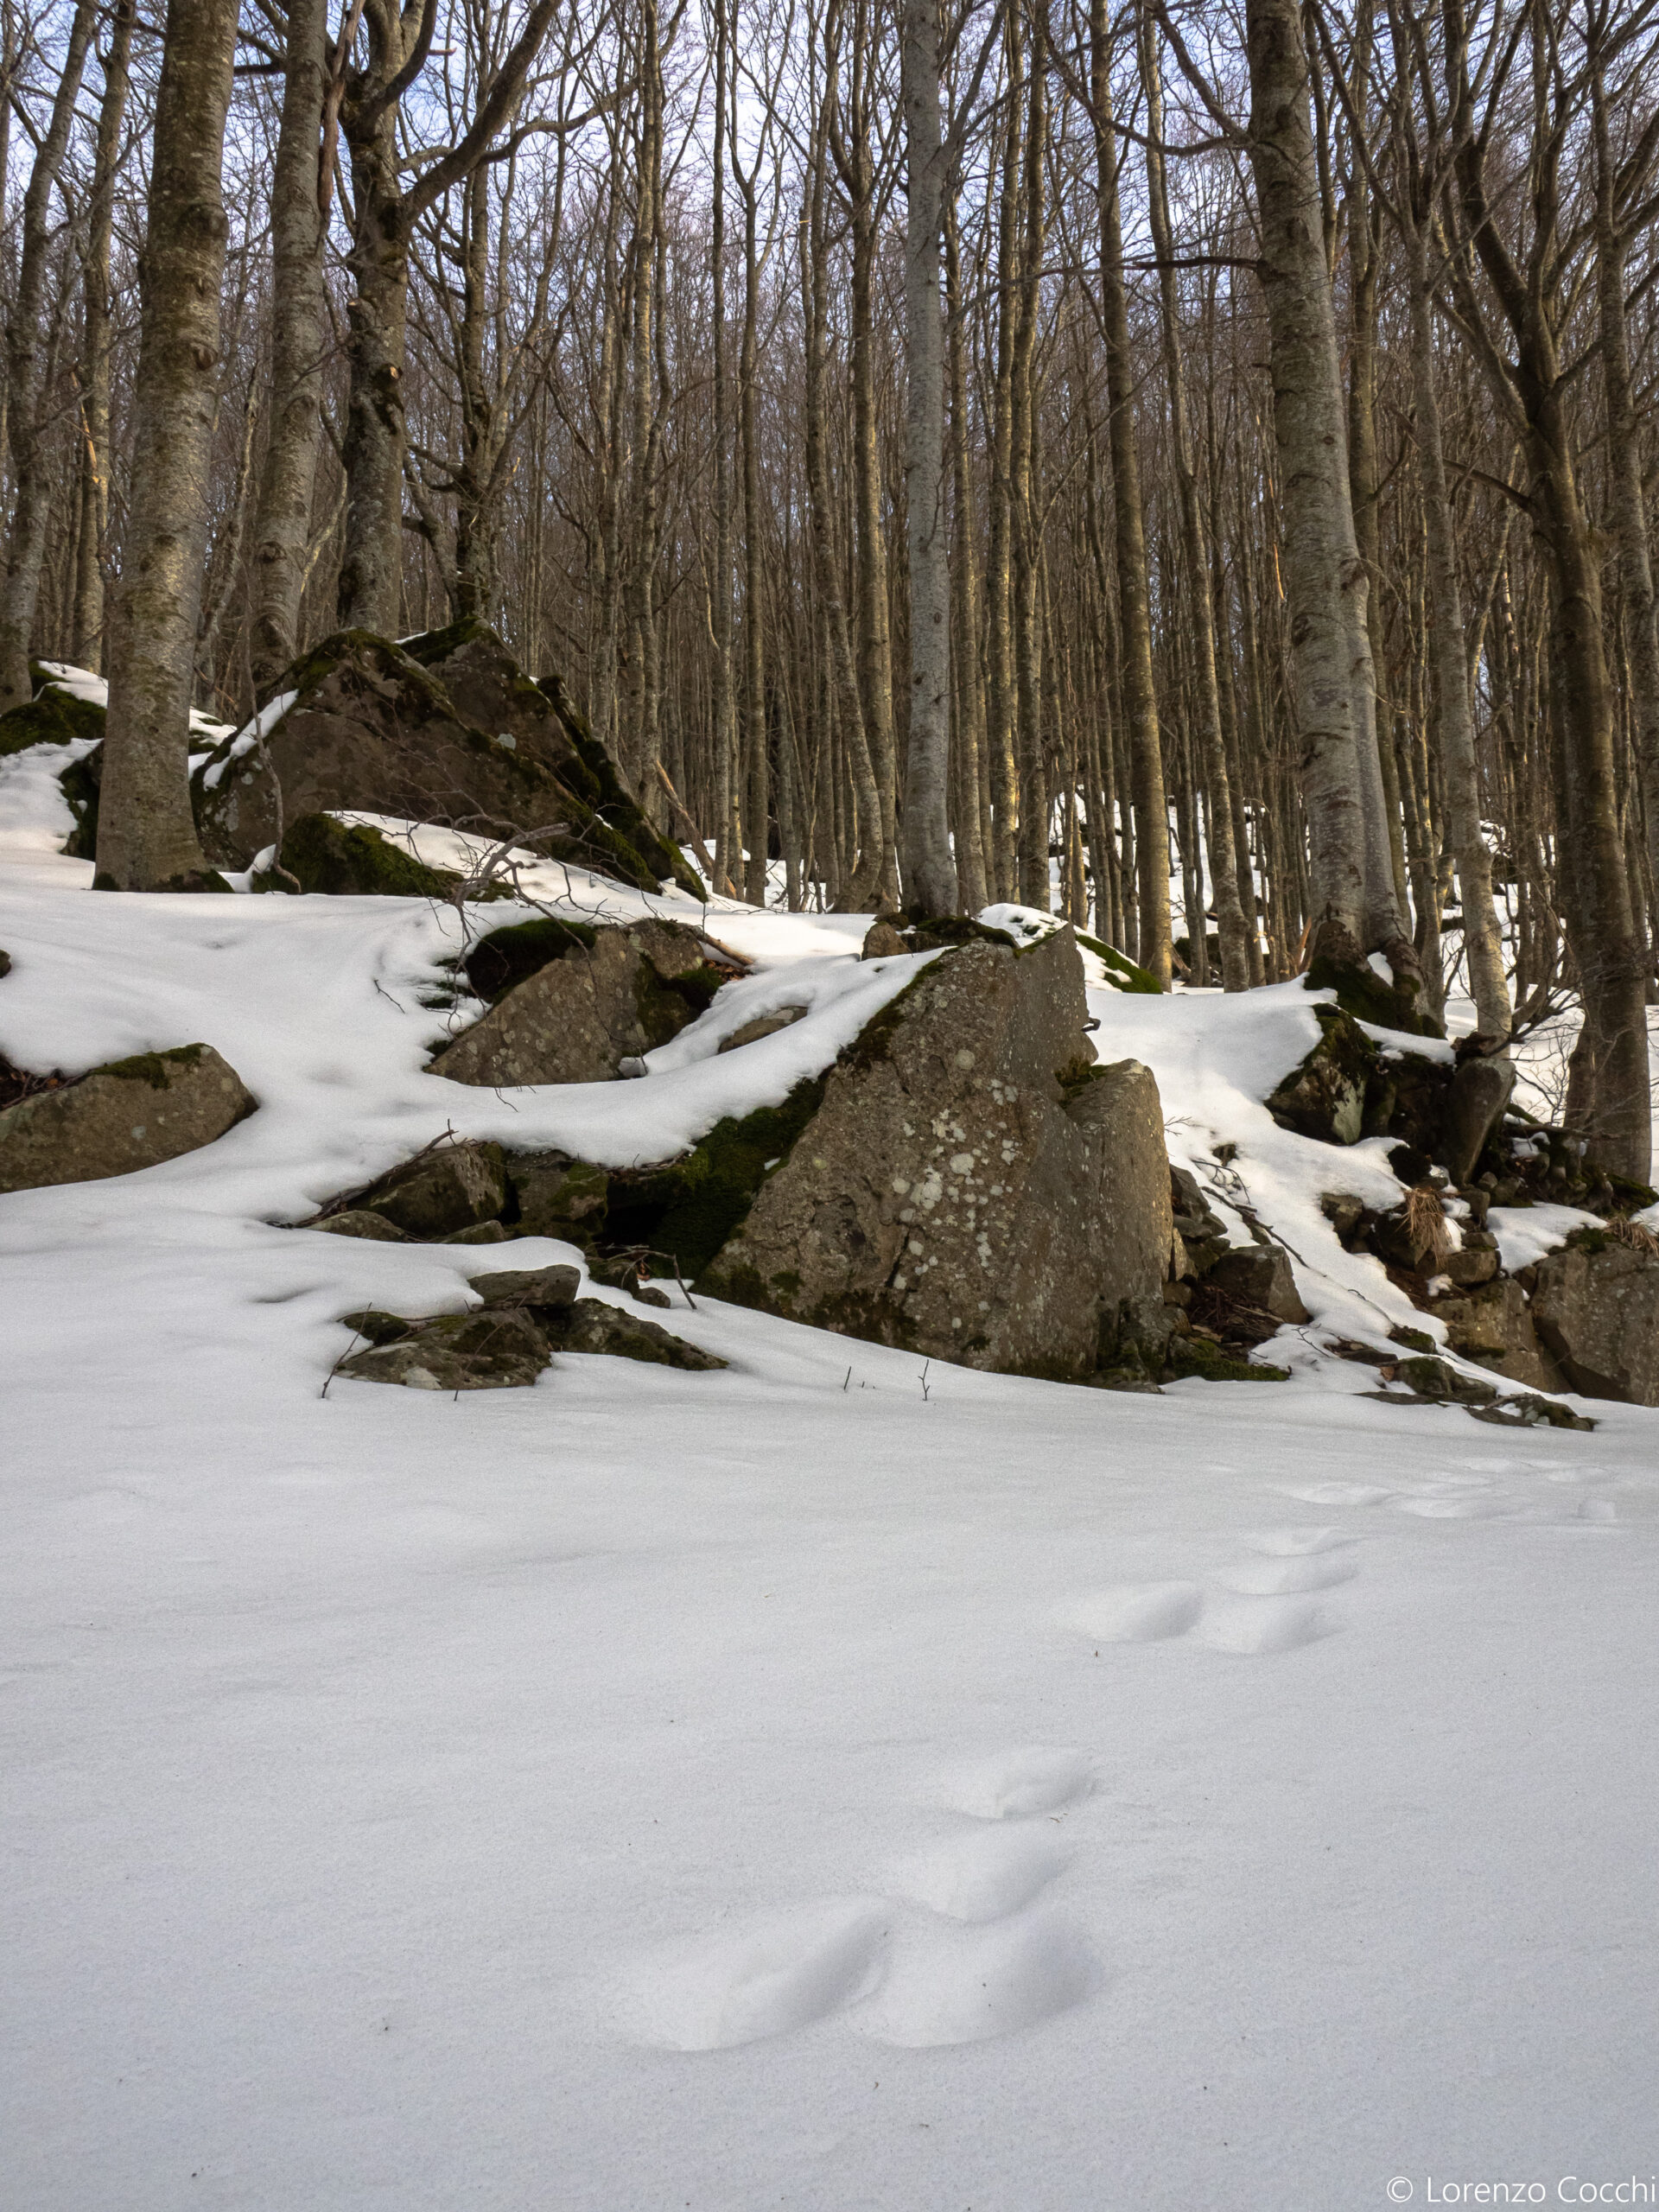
<point x="791" y="1785"/>
<point x="249" y="735"/>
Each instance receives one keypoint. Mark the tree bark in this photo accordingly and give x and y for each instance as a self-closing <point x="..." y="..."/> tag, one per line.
<point x="87" y="648"/>
<point x="146" y="833"/>
<point x="1134" y="611"/>
<point x="930" y="867"/>
<point x="1355" y="911"/>
<point x="26" y="357"/>
<point x="282" y="525"/>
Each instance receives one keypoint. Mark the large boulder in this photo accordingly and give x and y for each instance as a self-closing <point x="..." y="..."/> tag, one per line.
<point x="128" y="1114"/>
<point x="354" y="860"/>
<point x="601" y="996"/>
<point x="1491" y="1325"/>
<point x="1595" y="1305"/>
<point x="445" y="727"/>
<point x="964" y="1182"/>
<point x="1323" y="1097"/>
<point x="1474" y="1105"/>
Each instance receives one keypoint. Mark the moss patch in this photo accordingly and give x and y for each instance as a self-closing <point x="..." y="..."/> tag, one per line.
<point x="353" y="861"/>
<point x="1123" y="971"/>
<point x="500" y="962"/>
<point x="691" y="1205"/>
<point x="52" y="717"/>
<point x="1190" y="1356"/>
<point x="1363" y="993"/>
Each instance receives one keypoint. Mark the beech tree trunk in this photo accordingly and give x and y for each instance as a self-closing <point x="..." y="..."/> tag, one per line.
<point x="1355" y="911"/>
<point x="26" y="357"/>
<point x="282" y="527"/>
<point x="929" y="868"/>
<point x="87" y="647"/>
<point x="1156" y="953"/>
<point x="146" y="833"/>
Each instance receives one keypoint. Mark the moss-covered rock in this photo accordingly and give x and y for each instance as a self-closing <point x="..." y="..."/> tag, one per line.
<point x="452" y="1186"/>
<point x="594" y="998"/>
<point x="506" y="957"/>
<point x="129" y="1115"/>
<point x="353" y="860"/>
<point x="54" y="716"/>
<point x="1122" y="972"/>
<point x="444" y="728"/>
<point x="1368" y="997"/>
<point x="1323" y="1097"/>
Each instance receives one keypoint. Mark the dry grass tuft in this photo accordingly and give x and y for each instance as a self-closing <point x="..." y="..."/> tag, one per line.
<point x="1624" y="1230"/>
<point x="1426" y="1223"/>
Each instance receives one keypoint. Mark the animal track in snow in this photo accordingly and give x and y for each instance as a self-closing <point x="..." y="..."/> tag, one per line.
<point x="1335" y="1493"/>
<point x="777" y="1972"/>
<point x="1016" y="1784"/>
<point x="986" y="1875"/>
<point x="1460" y="1505"/>
<point x="1280" y="1577"/>
<point x="1254" y="1627"/>
<point x="1299" y="1543"/>
<point x="962" y="1985"/>
<point x="1136" y="1612"/>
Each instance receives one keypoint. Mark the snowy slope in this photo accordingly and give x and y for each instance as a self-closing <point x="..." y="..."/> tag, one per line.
<point x="811" y="1784"/>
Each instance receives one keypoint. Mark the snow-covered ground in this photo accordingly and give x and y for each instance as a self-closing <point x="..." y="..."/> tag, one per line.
<point x="815" y="1784"/>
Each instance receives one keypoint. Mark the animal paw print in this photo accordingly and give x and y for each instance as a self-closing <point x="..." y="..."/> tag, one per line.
<point x="965" y="1947"/>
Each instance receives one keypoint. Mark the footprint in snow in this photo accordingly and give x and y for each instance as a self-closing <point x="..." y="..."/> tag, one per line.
<point x="1258" y="1627"/>
<point x="1136" y="1612"/>
<point x="1281" y="1578"/>
<point x="987" y="1875"/>
<point x="1335" y="1493"/>
<point x="964" y="1984"/>
<point x="777" y="1972"/>
<point x="1017" y="1783"/>
<point x="1461" y="1505"/>
<point x="1299" y="1543"/>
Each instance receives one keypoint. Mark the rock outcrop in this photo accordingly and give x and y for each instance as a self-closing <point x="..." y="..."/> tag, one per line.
<point x="600" y="995"/>
<point x="444" y="728"/>
<point x="527" y="1315"/>
<point x="1595" y="1306"/>
<point x="967" y="1185"/>
<point x="129" y="1115"/>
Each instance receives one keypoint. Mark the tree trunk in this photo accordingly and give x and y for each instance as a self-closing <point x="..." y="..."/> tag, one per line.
<point x="1135" y="613"/>
<point x="929" y="868"/>
<point x="87" y="648"/>
<point x="26" y="357"/>
<point x="282" y="527"/>
<point x="146" y="834"/>
<point x="1355" y="911"/>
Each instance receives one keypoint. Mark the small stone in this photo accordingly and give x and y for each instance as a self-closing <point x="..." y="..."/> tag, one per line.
<point x="356" y="1223"/>
<point x="555" y="1285"/>
<point x="882" y="941"/>
<point x="764" y="1025"/>
<point x="593" y="1326"/>
<point x="480" y="1232"/>
<point x="1260" y="1274"/>
<point x="454" y="1186"/>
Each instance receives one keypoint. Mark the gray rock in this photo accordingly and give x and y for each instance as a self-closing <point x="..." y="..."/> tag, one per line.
<point x="1261" y="1275"/>
<point x="416" y="729"/>
<point x="1596" y="1309"/>
<point x="480" y="1232"/>
<point x="952" y="1193"/>
<point x="356" y="1223"/>
<point x="494" y="1349"/>
<point x="556" y="1286"/>
<point x="1492" y="1325"/>
<point x="593" y="1326"/>
<point x="882" y="941"/>
<point x="1325" y="1095"/>
<point x="576" y="1018"/>
<point x="129" y="1115"/>
<point x="557" y="1196"/>
<point x="764" y="1025"/>
<point x="1343" y="1211"/>
<point x="1474" y="1102"/>
<point x="1469" y="1268"/>
<point x="439" y="1191"/>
